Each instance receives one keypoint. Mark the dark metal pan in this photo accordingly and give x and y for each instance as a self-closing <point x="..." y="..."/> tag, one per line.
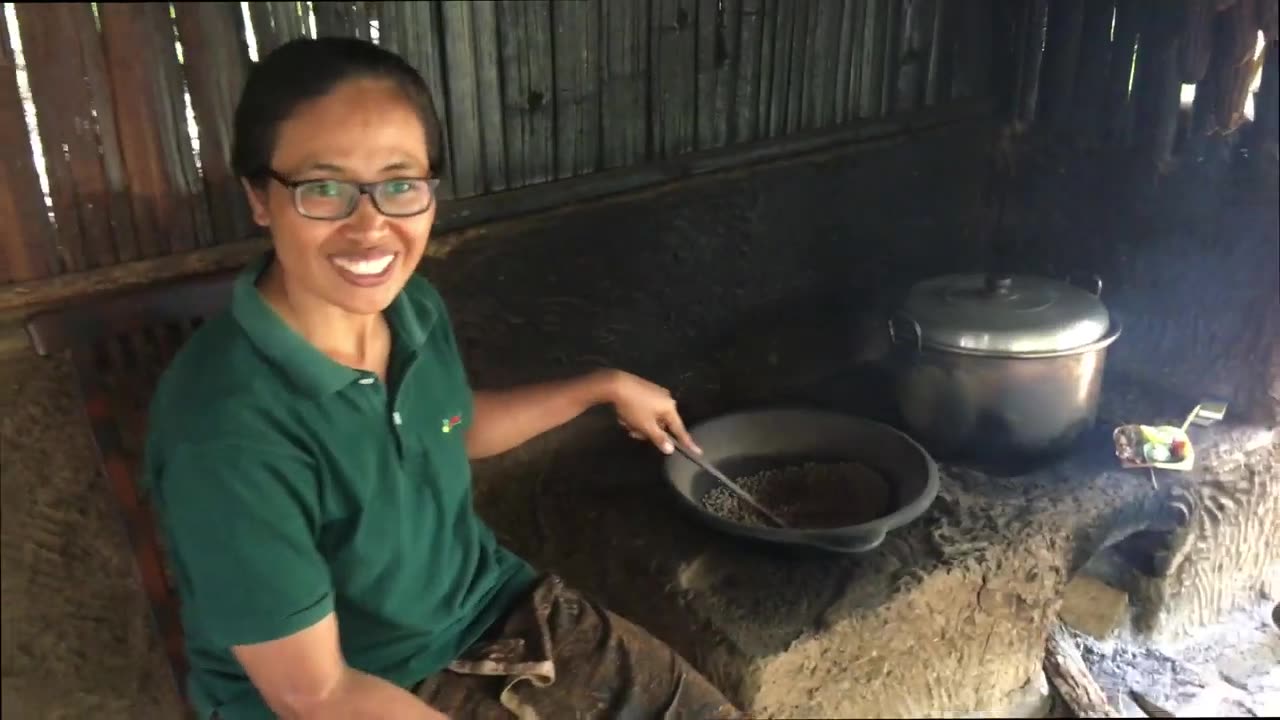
<point x="744" y="443"/>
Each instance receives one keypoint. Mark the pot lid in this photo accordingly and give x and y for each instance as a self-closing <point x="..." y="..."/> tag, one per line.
<point x="1005" y="314"/>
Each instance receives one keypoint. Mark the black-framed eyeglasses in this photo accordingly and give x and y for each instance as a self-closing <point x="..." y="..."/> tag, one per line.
<point x="324" y="199"/>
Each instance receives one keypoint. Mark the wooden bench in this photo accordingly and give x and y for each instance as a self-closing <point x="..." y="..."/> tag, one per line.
<point x="119" y="345"/>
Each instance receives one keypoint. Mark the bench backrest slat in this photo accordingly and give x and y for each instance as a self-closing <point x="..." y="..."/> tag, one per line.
<point x="119" y="346"/>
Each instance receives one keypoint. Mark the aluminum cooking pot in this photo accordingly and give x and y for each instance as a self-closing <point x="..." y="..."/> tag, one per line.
<point x="1000" y="367"/>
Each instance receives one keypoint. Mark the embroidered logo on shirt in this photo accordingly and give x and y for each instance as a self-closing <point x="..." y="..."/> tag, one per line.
<point x="449" y="423"/>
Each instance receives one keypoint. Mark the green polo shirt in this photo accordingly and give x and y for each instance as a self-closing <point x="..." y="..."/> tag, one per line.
<point x="289" y="486"/>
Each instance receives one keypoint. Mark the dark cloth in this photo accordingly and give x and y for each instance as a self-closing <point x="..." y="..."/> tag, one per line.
<point x="559" y="656"/>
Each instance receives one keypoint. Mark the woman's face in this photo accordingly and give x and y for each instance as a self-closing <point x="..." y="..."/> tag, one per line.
<point x="362" y="131"/>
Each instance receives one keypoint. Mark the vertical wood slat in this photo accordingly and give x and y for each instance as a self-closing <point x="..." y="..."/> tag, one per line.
<point x="26" y="253"/>
<point x="413" y="30"/>
<point x="859" y="73"/>
<point x="290" y="19"/>
<point x="728" y="58"/>
<point x="804" y="42"/>
<point x="66" y="116"/>
<point x="673" y="47"/>
<point x="179" y="145"/>
<point x="1124" y="42"/>
<point x="1030" y="57"/>
<point x="1156" y="84"/>
<point x="1202" y="107"/>
<point x="846" y="64"/>
<point x="892" y="47"/>
<point x="824" y="60"/>
<point x="527" y="85"/>
<point x="624" y="82"/>
<point x="798" y="49"/>
<point x="937" y="79"/>
<point x="973" y="52"/>
<point x="216" y="62"/>
<point x="264" y="31"/>
<point x="912" y="55"/>
<point x="463" y="100"/>
<point x="488" y="78"/>
<point x="1006" y="43"/>
<point x="151" y="122"/>
<point x="1091" y="76"/>
<point x="1220" y="97"/>
<point x="275" y="23"/>
<point x="474" y="98"/>
<point x="747" y="92"/>
<point x="1266" y="102"/>
<point x="718" y="56"/>
<point x="1061" y="59"/>
<point x="873" y="57"/>
<point x="764" y="104"/>
<point x="780" y="67"/>
<point x="342" y="19"/>
<point x="706" y="16"/>
<point x="1197" y="37"/>
<point x="123" y="227"/>
<point x="577" y="87"/>
<point x="904" y="58"/>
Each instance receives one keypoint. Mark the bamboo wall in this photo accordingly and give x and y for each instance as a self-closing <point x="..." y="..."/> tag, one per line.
<point x="1157" y="76"/>
<point x="133" y="101"/>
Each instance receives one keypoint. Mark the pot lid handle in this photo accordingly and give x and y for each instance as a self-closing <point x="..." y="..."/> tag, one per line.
<point x="998" y="284"/>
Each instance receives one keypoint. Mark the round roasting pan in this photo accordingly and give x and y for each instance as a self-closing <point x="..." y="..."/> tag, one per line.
<point x="743" y="443"/>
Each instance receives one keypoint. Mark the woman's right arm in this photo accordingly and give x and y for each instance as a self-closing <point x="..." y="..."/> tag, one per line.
<point x="304" y="677"/>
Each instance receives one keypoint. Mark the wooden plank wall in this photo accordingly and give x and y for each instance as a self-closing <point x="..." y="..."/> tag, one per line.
<point x="1097" y="73"/>
<point x="529" y="92"/>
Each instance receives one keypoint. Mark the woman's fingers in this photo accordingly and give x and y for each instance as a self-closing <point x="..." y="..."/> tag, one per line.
<point x="656" y="419"/>
<point x="659" y="437"/>
<point x="675" y="425"/>
<point x="632" y="432"/>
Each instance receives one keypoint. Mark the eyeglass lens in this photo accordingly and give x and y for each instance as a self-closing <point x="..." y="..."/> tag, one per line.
<point x="335" y="199"/>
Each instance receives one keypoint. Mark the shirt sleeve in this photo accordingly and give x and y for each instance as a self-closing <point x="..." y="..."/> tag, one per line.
<point x="241" y="524"/>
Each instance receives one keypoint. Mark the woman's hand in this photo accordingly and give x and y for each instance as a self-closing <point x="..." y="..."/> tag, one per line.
<point x="647" y="411"/>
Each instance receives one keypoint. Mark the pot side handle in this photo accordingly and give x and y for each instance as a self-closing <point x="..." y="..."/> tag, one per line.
<point x="1092" y="286"/>
<point x="904" y="328"/>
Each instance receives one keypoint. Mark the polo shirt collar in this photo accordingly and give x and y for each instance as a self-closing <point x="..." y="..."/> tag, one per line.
<point x="316" y="373"/>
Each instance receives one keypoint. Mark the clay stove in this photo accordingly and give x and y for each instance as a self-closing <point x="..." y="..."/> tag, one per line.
<point x="948" y="616"/>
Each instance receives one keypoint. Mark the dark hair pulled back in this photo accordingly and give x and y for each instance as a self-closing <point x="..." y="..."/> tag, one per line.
<point x="305" y="69"/>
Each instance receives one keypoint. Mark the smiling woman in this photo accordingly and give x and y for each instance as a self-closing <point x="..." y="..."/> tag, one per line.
<point x="308" y="450"/>
<point x="308" y="157"/>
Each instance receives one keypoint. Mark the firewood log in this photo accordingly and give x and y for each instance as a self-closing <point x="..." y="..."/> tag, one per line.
<point x="1067" y="671"/>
